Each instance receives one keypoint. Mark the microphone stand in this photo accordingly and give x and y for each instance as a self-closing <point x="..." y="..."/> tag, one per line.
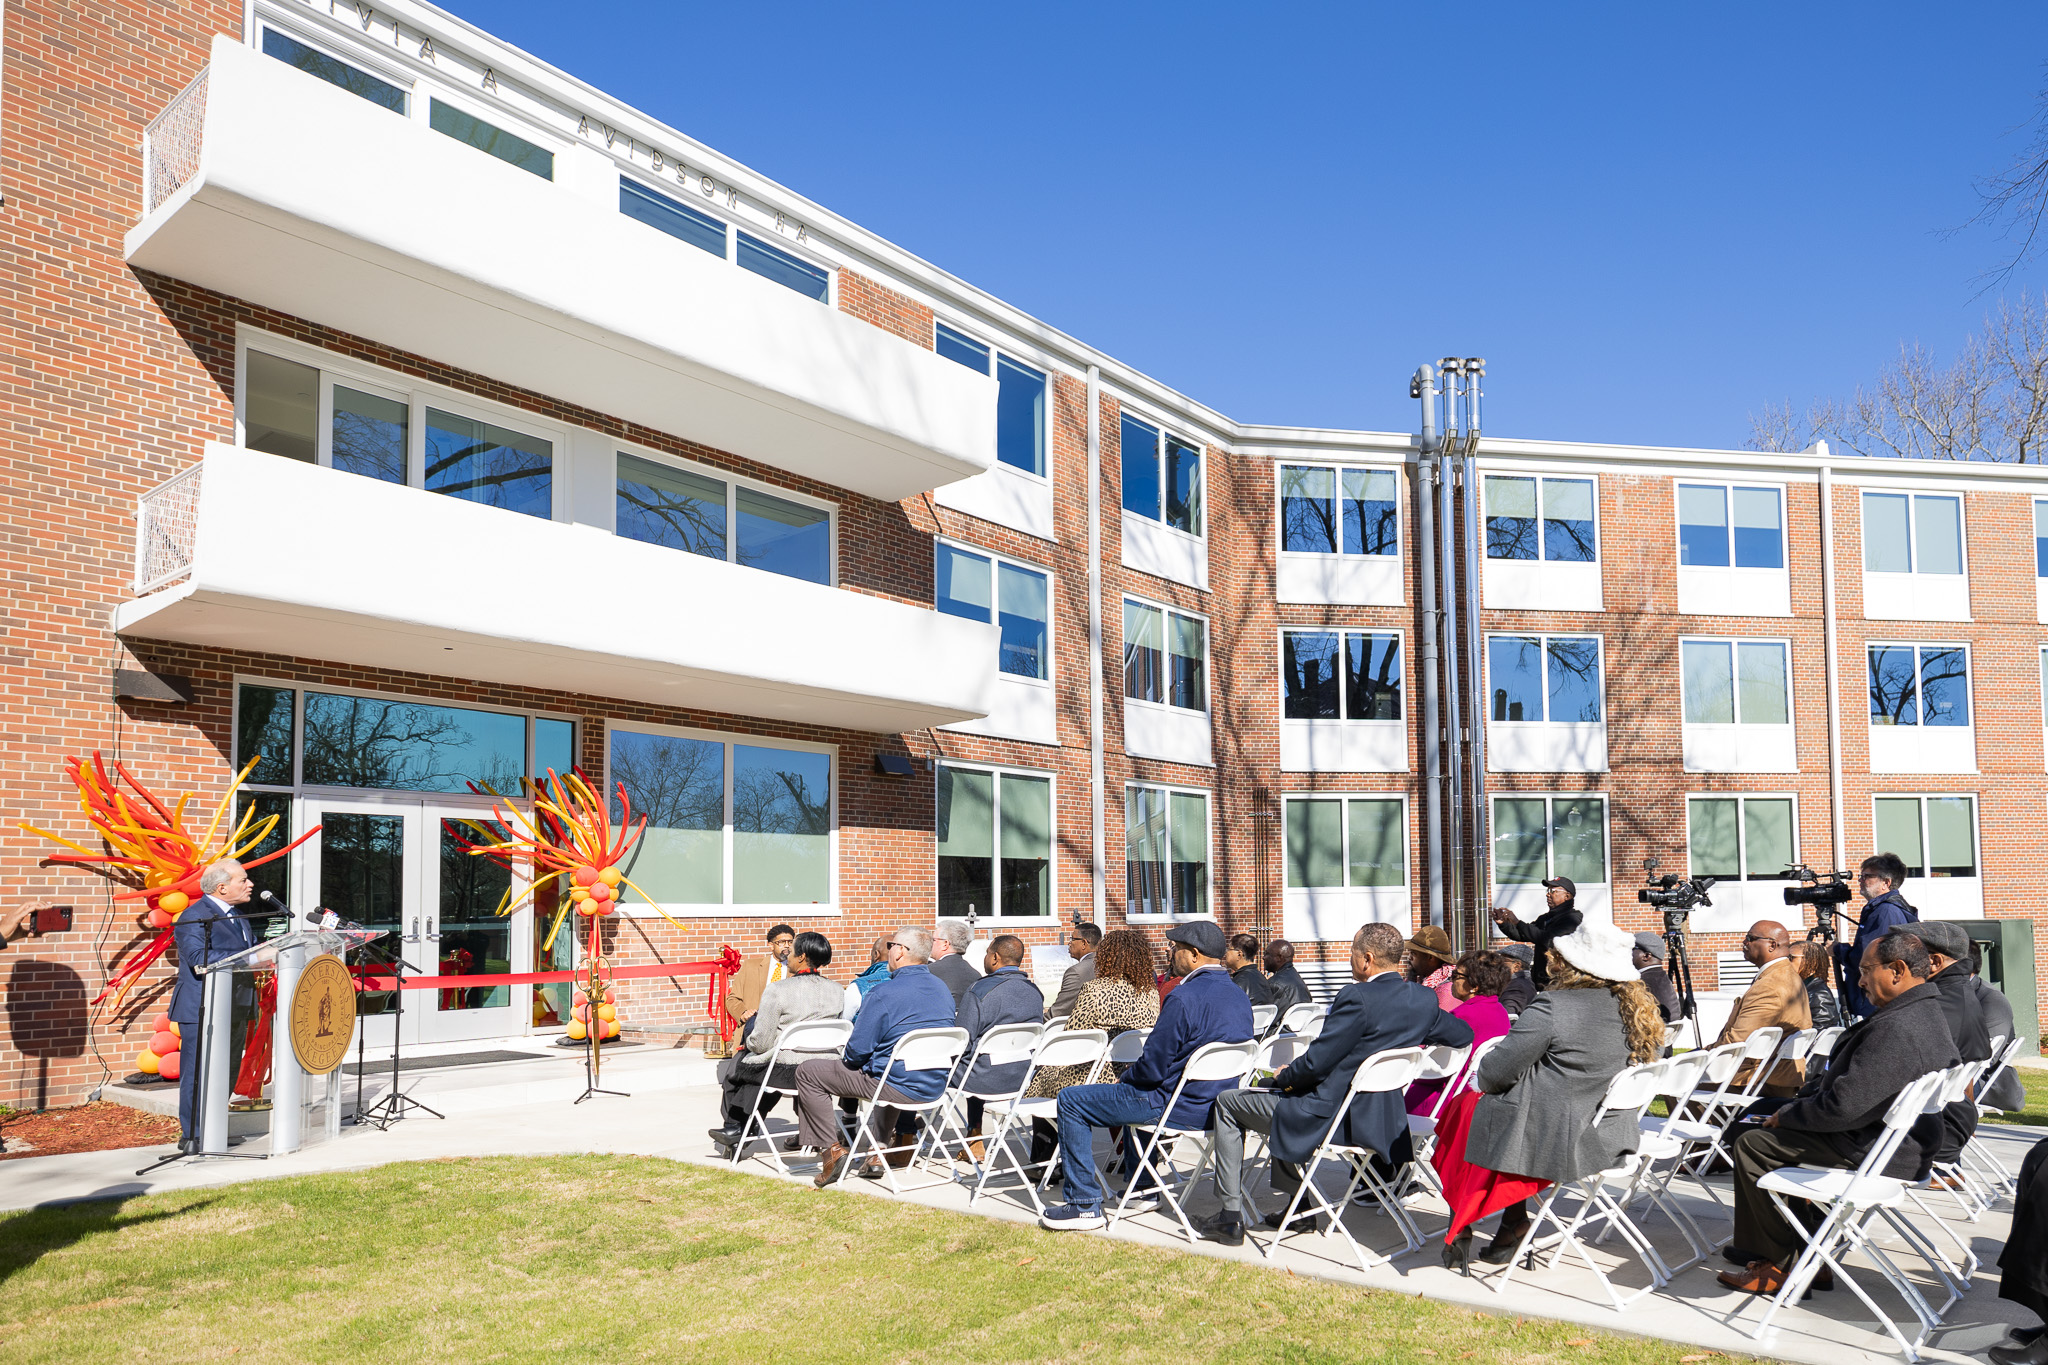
<point x="395" y="1105"/>
<point x="205" y="1059"/>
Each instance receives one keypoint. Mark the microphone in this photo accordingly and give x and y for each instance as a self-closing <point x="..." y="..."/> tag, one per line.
<point x="276" y="909"/>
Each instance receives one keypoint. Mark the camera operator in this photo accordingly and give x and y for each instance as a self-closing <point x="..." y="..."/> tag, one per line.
<point x="1648" y="955"/>
<point x="1879" y="878"/>
<point x="1561" y="895"/>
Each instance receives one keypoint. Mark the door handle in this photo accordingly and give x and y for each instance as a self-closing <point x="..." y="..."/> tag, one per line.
<point x="435" y="935"/>
<point x="414" y="936"/>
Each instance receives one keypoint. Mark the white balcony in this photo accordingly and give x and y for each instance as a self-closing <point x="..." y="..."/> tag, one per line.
<point x="297" y="195"/>
<point x="1541" y="585"/>
<point x="1915" y="597"/>
<point x="265" y="554"/>
<point x="1339" y="580"/>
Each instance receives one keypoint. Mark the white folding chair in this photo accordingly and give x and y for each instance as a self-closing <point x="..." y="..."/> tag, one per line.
<point x="1395" y="1070"/>
<point x="793" y="1043"/>
<point x="1124" y="1048"/>
<point x="1955" y="1089"/>
<point x="1661" y="1152"/>
<point x="923" y="1049"/>
<point x="1455" y="1067"/>
<point x="1853" y="1200"/>
<point x="1263" y="1017"/>
<point x="1306" y="1019"/>
<point x="1210" y="1062"/>
<point x="1982" y="1161"/>
<point x="1629" y="1093"/>
<point x="1824" y="1043"/>
<point x="1056" y="1024"/>
<point x="1080" y="1047"/>
<point x="1000" y="1045"/>
<point x="1717" y="1106"/>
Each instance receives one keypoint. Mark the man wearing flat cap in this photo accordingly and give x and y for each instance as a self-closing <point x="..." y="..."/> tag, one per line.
<point x="1204" y="1008"/>
<point x="1648" y="955"/>
<point x="1948" y="952"/>
<point x="1560" y="894"/>
<point x="1521" y="987"/>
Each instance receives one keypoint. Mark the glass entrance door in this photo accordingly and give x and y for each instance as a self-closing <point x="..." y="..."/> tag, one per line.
<point x="395" y="865"/>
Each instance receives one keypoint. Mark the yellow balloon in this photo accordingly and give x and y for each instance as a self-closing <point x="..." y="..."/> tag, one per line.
<point x="611" y="876"/>
<point x="173" y="902"/>
<point x="607" y="1012"/>
<point x="146" y="1061"/>
<point x="576" y="1029"/>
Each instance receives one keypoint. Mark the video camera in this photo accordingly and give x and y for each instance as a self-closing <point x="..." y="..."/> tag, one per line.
<point x="1827" y="891"/>
<point x="1674" y="895"/>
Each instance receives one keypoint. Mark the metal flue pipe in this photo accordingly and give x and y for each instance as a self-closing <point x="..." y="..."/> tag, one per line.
<point x="1423" y="386"/>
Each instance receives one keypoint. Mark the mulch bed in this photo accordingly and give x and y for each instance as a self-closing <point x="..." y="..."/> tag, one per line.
<point x="101" y="1127"/>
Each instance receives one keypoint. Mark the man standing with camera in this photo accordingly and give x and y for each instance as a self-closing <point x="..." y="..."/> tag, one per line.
<point x="1561" y="897"/>
<point x="1884" y="909"/>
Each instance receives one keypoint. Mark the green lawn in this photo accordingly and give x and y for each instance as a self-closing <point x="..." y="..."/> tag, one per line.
<point x="2035" y="1079"/>
<point x="619" y="1258"/>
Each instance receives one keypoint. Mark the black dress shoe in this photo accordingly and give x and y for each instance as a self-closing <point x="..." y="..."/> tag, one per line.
<point x="726" y="1138"/>
<point x="187" y="1146"/>
<point x="1303" y="1222"/>
<point x="2024" y="1336"/>
<point x="2034" y="1352"/>
<point x="1224" y="1229"/>
<point x="1735" y="1255"/>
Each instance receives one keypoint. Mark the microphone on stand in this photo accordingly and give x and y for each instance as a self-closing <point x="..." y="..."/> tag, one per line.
<point x="323" y="918"/>
<point x="276" y="909"/>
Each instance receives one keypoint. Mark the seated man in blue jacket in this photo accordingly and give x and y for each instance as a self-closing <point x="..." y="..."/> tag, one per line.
<point x="1380" y="1011"/>
<point x="912" y="998"/>
<point x="1204" y="1008"/>
<point x="1005" y="994"/>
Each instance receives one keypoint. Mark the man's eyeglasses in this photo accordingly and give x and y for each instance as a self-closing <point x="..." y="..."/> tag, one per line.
<point x="887" y="946"/>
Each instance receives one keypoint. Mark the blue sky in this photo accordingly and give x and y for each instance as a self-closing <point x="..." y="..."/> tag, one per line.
<point x="1650" y="219"/>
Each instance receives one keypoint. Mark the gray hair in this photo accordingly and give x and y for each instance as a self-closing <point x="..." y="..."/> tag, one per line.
<point x="915" y="942"/>
<point x="956" y="932"/>
<point x="211" y="880"/>
<point x="1382" y="941"/>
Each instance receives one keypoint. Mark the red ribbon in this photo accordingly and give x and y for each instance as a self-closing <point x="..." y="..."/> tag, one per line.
<point x="719" y="969"/>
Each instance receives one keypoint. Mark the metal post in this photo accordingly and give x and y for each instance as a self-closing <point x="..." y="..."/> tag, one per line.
<point x="1424" y="388"/>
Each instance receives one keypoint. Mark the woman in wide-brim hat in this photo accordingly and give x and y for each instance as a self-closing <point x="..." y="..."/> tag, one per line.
<point x="1429" y="963"/>
<point x="1529" y="1123"/>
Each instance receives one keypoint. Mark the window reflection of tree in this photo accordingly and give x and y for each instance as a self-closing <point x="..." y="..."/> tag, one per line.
<point x="1308" y="661"/>
<point x="264" y="726"/>
<point x="1510" y="537"/>
<point x="675" y="783"/>
<point x="1567" y="540"/>
<point x="1894" y="699"/>
<point x="1372" y="668"/>
<point x="1579" y="663"/>
<point x="676" y="519"/>
<point x="474" y="940"/>
<point x="1308" y="519"/>
<point x="496" y="466"/>
<point x="362" y="742"/>
<point x="369" y="445"/>
<point x="1944" y="687"/>
<point x="778" y="802"/>
<point x="1375" y="523"/>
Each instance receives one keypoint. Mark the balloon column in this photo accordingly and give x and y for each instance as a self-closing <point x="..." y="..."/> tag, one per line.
<point x="569" y="839"/>
<point x="159" y="1056"/>
<point x="153" y="854"/>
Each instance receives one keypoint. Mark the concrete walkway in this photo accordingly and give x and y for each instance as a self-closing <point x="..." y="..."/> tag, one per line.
<point x="525" y="1108"/>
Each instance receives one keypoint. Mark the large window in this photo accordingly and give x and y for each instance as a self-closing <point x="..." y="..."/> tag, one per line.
<point x="1548" y="519"/>
<point x="1162" y="476"/>
<point x="1536" y="838"/>
<point x="786" y="269"/>
<point x="995" y="842"/>
<point x="1165" y="656"/>
<point x="678" y="220"/>
<point x="2041" y="538"/>
<point x="369" y="425"/>
<point x="320" y="738"/>
<point x="1340" y="675"/>
<point x="1741" y="838"/>
<point x="731" y="821"/>
<point x="1551" y="679"/>
<point x="696" y="512"/>
<point x="985" y="587"/>
<point x="1919" y="533"/>
<point x="1352" y="841"/>
<point x="1730" y="526"/>
<point x="507" y="147"/>
<point x="1935" y="835"/>
<point x="1736" y="682"/>
<point x="1326" y="510"/>
<point x="1919" y="685"/>
<point x="314" y="62"/>
<point x="1166" y="851"/>
<point x="1020" y="398"/>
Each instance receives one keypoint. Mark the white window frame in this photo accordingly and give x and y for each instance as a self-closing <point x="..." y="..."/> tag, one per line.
<point x="1543" y="639"/>
<point x="732" y="909"/>
<point x="1166" y="430"/>
<point x="1530" y="895"/>
<point x="1344" y="798"/>
<point x="1001" y="771"/>
<point x="1735" y="907"/>
<point x="1920" y="747"/>
<point x="300" y="688"/>
<point x="2043" y="654"/>
<point x="675" y="194"/>
<point x="1728" y="488"/>
<point x="500" y="116"/>
<point x="1941" y="897"/>
<point x="1562" y="476"/>
<point x="342" y="48"/>
<point x="995" y="558"/>
<point x="1757" y="746"/>
<point x="2040" y="579"/>
<point x="417" y="394"/>
<point x="1339" y="469"/>
<point x="1912" y="496"/>
<point x="767" y="236"/>
<point x="732" y="483"/>
<point x="996" y="350"/>
<point x="1919" y="687"/>
<point x="1166" y="652"/>
<point x="1170" y="789"/>
<point x="1732" y="589"/>
<point x="1343" y="701"/>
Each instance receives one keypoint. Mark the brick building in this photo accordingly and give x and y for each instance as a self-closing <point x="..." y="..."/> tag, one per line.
<point x="412" y="414"/>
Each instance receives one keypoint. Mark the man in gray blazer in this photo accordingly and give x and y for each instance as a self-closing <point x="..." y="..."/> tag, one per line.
<point x="1379" y="1012"/>
<point x="1081" y="946"/>
<point x="949" y="941"/>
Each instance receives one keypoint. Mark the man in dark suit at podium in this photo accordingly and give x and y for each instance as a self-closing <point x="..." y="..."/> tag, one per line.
<point x="224" y="888"/>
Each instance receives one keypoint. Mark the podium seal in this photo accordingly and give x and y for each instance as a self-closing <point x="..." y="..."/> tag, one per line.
<point x="323" y="1021"/>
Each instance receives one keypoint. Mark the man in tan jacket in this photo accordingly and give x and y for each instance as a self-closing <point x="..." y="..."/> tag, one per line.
<point x="1777" y="999"/>
<point x="756" y="974"/>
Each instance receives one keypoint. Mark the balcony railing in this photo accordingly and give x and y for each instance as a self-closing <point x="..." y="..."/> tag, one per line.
<point x="171" y="143"/>
<point x="166" y="529"/>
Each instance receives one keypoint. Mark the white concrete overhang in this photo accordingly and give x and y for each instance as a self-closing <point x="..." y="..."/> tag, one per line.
<point x="289" y="558"/>
<point x="314" y="202"/>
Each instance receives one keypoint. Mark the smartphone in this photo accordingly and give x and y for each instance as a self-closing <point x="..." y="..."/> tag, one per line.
<point x="51" y="919"/>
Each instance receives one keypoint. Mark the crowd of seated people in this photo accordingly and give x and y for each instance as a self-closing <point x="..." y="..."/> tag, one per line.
<point x="1567" y="1003"/>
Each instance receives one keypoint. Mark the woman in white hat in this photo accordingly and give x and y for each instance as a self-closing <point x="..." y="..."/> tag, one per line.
<point x="1528" y="1125"/>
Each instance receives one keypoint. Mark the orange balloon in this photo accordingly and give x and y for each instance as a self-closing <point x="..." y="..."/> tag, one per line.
<point x="173" y="902"/>
<point x="145" y="1060"/>
<point x="582" y="1013"/>
<point x="584" y="875"/>
<point x="158" y="919"/>
<point x="599" y="891"/>
<point x="167" y="1067"/>
<point x="161" y="1023"/>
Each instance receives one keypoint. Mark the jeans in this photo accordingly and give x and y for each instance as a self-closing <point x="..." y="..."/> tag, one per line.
<point x="1083" y="1109"/>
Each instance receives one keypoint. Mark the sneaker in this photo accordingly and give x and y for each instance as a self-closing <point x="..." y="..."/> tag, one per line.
<point x="1072" y="1218"/>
